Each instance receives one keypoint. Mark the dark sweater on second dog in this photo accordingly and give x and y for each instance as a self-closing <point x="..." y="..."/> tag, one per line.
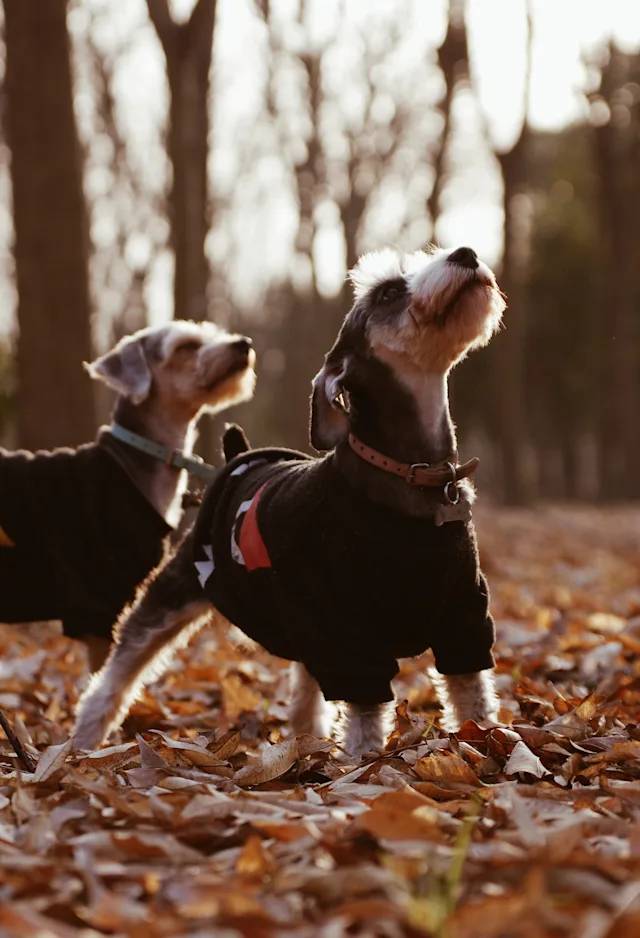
<point x="315" y="572"/>
<point x="85" y="536"/>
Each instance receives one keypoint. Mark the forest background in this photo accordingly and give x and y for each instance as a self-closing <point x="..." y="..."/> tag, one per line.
<point x="230" y="160"/>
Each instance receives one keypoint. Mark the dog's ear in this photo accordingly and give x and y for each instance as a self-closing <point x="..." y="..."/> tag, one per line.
<point x="329" y="417"/>
<point x="125" y="369"/>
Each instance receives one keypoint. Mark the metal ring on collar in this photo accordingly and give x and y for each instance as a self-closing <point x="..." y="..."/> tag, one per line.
<point x="453" y="482"/>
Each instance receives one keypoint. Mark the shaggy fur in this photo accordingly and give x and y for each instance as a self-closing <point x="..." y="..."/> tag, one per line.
<point x="166" y="378"/>
<point x="333" y="562"/>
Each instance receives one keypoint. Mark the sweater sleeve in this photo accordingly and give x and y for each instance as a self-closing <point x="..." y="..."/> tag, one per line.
<point x="462" y="644"/>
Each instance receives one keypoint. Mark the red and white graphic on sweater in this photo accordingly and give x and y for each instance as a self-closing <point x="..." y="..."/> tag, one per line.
<point x="247" y="545"/>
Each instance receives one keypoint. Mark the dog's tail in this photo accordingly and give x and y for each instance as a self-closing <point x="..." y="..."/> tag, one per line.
<point x="234" y="441"/>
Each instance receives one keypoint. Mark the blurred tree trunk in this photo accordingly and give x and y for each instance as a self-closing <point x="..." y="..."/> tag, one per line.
<point x="617" y="146"/>
<point x="309" y="324"/>
<point x="55" y="402"/>
<point x="510" y="346"/>
<point x="188" y="49"/>
<point x="453" y="59"/>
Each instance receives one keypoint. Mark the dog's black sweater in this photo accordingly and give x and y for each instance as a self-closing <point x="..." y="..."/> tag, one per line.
<point x="315" y="572"/>
<point x="85" y="536"/>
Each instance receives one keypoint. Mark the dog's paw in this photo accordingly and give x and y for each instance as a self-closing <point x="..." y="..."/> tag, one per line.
<point x="90" y="731"/>
<point x="87" y="740"/>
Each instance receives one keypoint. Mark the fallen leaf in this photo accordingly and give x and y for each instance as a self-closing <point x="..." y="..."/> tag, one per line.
<point x="225" y="747"/>
<point x="51" y="760"/>
<point x="524" y="762"/>
<point x="274" y="761"/>
<point x="402" y="815"/>
<point x="253" y="861"/>
<point x="445" y="767"/>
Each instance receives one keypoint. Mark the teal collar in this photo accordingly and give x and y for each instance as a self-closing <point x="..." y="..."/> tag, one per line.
<point x="170" y="457"/>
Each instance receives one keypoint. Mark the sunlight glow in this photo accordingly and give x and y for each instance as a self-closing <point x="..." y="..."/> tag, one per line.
<point x="252" y="155"/>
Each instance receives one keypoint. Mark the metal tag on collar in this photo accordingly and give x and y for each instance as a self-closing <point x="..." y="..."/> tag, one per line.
<point x="454" y="509"/>
<point x="460" y="511"/>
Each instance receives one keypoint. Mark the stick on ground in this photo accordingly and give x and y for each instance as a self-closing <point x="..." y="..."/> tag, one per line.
<point x="17" y="745"/>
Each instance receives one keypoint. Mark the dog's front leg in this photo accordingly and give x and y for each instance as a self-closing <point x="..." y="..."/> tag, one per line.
<point x="365" y="727"/>
<point x="466" y="697"/>
<point x="308" y="712"/>
<point x="169" y="608"/>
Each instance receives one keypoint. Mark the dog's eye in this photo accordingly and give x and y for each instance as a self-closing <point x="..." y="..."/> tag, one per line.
<point x="191" y="346"/>
<point x="392" y="292"/>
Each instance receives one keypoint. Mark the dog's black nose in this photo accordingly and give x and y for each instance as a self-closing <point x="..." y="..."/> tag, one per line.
<point x="465" y="257"/>
<point x="243" y="344"/>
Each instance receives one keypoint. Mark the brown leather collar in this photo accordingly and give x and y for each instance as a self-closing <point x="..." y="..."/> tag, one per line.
<point x="418" y="473"/>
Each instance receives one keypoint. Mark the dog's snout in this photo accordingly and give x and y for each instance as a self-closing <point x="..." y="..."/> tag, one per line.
<point x="464" y="257"/>
<point x="243" y="345"/>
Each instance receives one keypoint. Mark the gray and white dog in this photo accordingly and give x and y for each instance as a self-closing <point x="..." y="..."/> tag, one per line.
<point x="81" y="528"/>
<point x="345" y="563"/>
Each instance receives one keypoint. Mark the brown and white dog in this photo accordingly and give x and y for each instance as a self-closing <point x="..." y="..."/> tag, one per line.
<point x="81" y="528"/>
<point x="345" y="563"/>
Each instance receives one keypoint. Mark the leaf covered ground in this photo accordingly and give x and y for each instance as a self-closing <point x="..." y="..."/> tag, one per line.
<point x="205" y="819"/>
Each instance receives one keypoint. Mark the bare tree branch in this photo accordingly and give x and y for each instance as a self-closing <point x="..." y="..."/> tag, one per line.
<point x="163" y="22"/>
<point x="193" y="37"/>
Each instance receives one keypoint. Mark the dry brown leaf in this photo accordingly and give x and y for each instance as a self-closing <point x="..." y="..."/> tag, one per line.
<point x="307" y="745"/>
<point x="225" y="747"/>
<point x="437" y="792"/>
<point x="524" y="762"/>
<point x="203" y="807"/>
<point x="285" y="831"/>
<point x="138" y="845"/>
<point x="620" y="752"/>
<point x="606" y="623"/>
<point x="108" y="758"/>
<point x="402" y="815"/>
<point x="445" y="767"/>
<point x="253" y="862"/>
<point x="274" y="761"/>
<point x="23" y="921"/>
<point x="237" y="696"/>
<point x="142" y="841"/>
<point x="150" y="759"/>
<point x="51" y="760"/>
<point x="112" y="913"/>
<point x="191" y="752"/>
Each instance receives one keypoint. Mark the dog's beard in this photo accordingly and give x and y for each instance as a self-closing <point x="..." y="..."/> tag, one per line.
<point x="473" y="317"/>
<point x="236" y="369"/>
<point x="440" y="317"/>
<point x="222" y="368"/>
<point x="236" y="386"/>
